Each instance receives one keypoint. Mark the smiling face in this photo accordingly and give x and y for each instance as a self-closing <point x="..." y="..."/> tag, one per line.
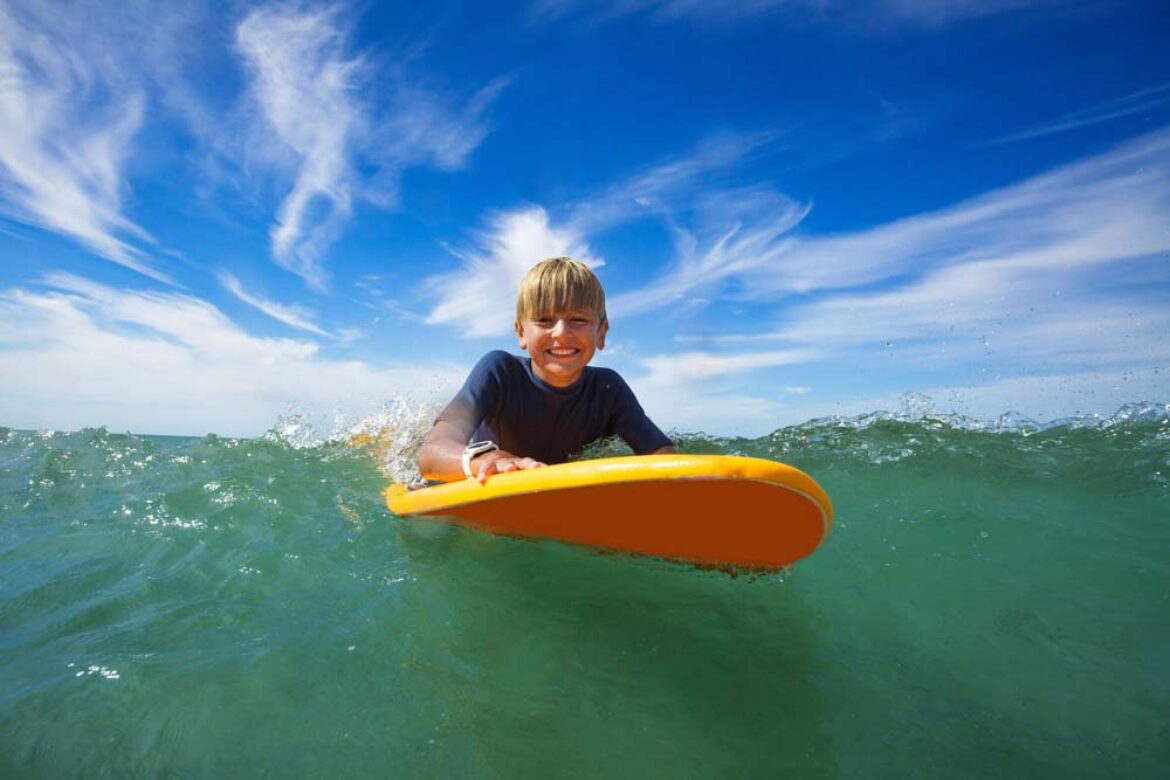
<point x="561" y="343"/>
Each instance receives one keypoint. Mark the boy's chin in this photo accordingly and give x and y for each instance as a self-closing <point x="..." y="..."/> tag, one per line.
<point x="560" y="376"/>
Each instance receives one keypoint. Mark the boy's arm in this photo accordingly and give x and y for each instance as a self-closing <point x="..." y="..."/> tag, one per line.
<point x="441" y="457"/>
<point x="666" y="450"/>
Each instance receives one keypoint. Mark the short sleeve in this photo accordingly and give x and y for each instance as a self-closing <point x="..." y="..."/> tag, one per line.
<point x="631" y="422"/>
<point x="479" y="396"/>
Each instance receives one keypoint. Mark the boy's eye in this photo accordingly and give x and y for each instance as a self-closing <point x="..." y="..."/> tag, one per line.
<point x="549" y="321"/>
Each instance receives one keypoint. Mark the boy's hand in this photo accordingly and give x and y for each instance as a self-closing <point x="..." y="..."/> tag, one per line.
<point x="499" y="461"/>
<point x="441" y="457"/>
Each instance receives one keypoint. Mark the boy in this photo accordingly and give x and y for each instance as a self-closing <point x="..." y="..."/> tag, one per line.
<point x="522" y="413"/>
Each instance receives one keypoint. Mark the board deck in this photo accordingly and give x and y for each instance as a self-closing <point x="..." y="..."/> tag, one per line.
<point x="707" y="509"/>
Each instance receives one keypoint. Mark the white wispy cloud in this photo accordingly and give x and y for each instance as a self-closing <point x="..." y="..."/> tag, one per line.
<point x="668" y="186"/>
<point x="293" y="316"/>
<point x="959" y="316"/>
<point x="424" y="126"/>
<point x="305" y="85"/>
<point x="702" y="365"/>
<point x="704" y="390"/>
<point x="745" y="230"/>
<point x="709" y="409"/>
<point x="86" y="354"/>
<point x="69" y="113"/>
<point x="1104" y="208"/>
<point x="916" y="12"/>
<point x="1126" y="105"/>
<point x="480" y="298"/>
<point x="318" y="97"/>
<point x="1058" y="280"/>
<point x="331" y="125"/>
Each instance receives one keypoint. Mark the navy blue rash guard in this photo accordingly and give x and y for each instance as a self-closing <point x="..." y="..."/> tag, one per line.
<point x="505" y="402"/>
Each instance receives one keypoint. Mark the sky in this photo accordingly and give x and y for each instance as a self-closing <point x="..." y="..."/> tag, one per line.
<point x="213" y="214"/>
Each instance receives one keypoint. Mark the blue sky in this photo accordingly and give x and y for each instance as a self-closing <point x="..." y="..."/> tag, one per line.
<point x="211" y="212"/>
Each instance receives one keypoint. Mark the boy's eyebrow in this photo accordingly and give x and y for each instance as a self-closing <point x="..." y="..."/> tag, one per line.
<point x="568" y="313"/>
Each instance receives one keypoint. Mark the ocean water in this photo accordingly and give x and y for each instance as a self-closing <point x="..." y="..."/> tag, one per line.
<point x="994" y="600"/>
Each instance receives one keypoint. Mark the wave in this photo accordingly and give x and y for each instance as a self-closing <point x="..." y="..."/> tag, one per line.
<point x="393" y="433"/>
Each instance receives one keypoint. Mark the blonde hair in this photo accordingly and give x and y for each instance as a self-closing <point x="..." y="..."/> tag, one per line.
<point x="559" y="284"/>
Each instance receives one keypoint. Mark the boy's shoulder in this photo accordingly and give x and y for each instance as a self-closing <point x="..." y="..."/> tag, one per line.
<point x="498" y="359"/>
<point x="603" y="373"/>
<point x="500" y="367"/>
<point x="497" y="355"/>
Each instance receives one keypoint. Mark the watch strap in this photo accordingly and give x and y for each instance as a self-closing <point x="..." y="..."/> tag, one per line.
<point x="473" y="449"/>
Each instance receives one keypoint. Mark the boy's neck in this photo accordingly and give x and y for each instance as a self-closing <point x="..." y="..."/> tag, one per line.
<point x="557" y="382"/>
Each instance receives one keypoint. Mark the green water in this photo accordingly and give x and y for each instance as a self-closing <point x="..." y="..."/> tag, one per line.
<point x="991" y="602"/>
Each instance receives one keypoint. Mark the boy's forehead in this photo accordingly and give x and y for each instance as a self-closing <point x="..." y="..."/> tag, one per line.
<point x="554" y="311"/>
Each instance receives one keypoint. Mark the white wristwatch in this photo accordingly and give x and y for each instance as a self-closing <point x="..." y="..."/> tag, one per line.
<point x="473" y="449"/>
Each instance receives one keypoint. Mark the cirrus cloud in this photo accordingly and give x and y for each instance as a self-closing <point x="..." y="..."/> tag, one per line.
<point x="68" y="118"/>
<point x="316" y="95"/>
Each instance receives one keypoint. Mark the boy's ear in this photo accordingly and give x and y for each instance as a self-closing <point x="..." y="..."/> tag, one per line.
<point x="601" y="334"/>
<point x="520" y="334"/>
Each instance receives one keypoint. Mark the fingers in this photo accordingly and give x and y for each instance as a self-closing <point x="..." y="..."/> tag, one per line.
<point x="504" y="464"/>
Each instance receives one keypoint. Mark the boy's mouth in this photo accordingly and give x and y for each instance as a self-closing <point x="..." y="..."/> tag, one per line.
<point x="563" y="352"/>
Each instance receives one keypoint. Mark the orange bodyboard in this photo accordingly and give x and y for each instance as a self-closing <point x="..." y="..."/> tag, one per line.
<point x="706" y="509"/>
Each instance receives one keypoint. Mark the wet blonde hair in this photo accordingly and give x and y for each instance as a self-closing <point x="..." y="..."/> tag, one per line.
<point x="559" y="284"/>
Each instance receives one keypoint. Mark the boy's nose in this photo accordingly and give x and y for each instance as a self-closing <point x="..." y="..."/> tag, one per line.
<point x="560" y="326"/>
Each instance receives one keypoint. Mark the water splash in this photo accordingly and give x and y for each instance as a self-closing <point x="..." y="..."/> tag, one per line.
<point x="392" y="434"/>
<point x="1144" y="412"/>
<point x="295" y="428"/>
